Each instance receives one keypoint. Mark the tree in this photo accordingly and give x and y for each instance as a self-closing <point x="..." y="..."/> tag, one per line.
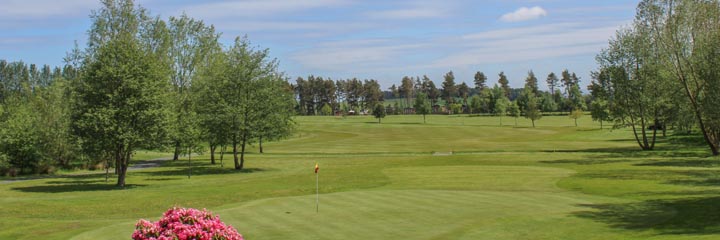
<point x="547" y="102"/>
<point x="422" y="105"/>
<point x="276" y="111"/>
<point x="20" y="141"/>
<point x="208" y="103"/>
<point x="493" y="96"/>
<point x="575" y="98"/>
<point x="120" y="96"/>
<point x="501" y="106"/>
<point x="514" y="110"/>
<point x="373" y="94"/>
<point x="449" y="89"/>
<point x="120" y="100"/>
<point x="599" y="111"/>
<point x="504" y="84"/>
<point x="394" y="91"/>
<point x="532" y="111"/>
<point x="531" y="82"/>
<point x="455" y="108"/>
<point x="480" y="80"/>
<point x="433" y="93"/>
<point x="566" y="81"/>
<point x="639" y="85"/>
<point x="464" y="92"/>
<point x="252" y="96"/>
<point x="552" y="82"/>
<point x="575" y="114"/>
<point x="326" y="110"/>
<point x="687" y="36"/>
<point x="406" y="89"/>
<point x="599" y="91"/>
<point x="476" y="104"/>
<point x="189" y="44"/>
<point x="379" y="112"/>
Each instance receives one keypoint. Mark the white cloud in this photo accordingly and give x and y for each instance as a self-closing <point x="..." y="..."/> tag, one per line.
<point x="353" y="54"/>
<point x="528" y="43"/>
<point x="407" y="13"/>
<point x="521" y="31"/>
<point x="23" y="9"/>
<point x="256" y="8"/>
<point x="524" y="14"/>
<point x="500" y="46"/>
<point x="414" y="10"/>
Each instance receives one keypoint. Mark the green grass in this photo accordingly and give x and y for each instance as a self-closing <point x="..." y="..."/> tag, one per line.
<point x="382" y="181"/>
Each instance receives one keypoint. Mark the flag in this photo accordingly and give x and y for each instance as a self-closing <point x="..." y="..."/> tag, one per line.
<point x="316" y="167"/>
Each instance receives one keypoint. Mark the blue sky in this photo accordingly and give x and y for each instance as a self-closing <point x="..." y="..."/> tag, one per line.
<point x="383" y="40"/>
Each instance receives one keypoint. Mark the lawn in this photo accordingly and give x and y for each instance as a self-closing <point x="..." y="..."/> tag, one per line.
<point x="398" y="180"/>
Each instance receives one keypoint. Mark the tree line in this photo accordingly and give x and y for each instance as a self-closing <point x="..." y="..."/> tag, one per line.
<point x="141" y="82"/>
<point x="324" y="96"/>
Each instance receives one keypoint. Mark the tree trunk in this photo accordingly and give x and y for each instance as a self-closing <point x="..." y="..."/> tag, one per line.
<point x="501" y="121"/>
<point x="222" y="154"/>
<point x="712" y="141"/>
<point x="212" y="153"/>
<point x="261" y="149"/>
<point x="378" y="120"/>
<point x="176" y="155"/>
<point x="189" y="162"/>
<point x="601" y="126"/>
<point x="107" y="169"/>
<point x="576" y="122"/>
<point x="235" y="152"/>
<point x="242" y="153"/>
<point x="424" y="119"/>
<point x="637" y="138"/>
<point x="533" y="122"/>
<point x="124" y="159"/>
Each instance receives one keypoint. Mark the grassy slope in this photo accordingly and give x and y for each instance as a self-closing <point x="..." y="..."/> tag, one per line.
<point x="380" y="181"/>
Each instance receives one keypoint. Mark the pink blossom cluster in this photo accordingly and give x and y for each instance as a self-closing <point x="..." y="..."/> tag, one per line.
<point x="185" y="224"/>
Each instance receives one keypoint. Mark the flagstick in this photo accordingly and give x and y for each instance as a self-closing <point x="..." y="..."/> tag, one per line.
<point x="317" y="192"/>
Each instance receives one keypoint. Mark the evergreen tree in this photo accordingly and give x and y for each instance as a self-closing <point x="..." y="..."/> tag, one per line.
<point x="449" y="89"/>
<point x="504" y="83"/>
<point x="480" y="80"/>
<point x="531" y="82"/>
<point x="552" y="82"/>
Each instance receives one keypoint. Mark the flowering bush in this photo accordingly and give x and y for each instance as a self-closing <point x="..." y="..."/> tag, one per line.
<point x="185" y="224"/>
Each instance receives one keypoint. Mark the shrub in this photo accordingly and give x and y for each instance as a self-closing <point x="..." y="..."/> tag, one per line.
<point x="185" y="223"/>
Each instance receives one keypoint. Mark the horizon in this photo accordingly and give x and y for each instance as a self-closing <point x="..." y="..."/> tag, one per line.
<point x="342" y="39"/>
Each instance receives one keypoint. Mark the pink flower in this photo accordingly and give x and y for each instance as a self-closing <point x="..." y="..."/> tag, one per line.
<point x="185" y="224"/>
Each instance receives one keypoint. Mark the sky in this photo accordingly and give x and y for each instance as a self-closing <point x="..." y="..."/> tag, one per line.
<point x="365" y="39"/>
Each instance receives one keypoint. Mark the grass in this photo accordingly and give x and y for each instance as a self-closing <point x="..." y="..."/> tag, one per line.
<point x="382" y="181"/>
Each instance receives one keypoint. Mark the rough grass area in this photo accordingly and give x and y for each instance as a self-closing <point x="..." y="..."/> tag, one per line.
<point x="383" y="181"/>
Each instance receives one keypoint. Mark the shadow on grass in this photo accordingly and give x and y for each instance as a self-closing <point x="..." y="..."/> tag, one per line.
<point x="407" y="123"/>
<point x="633" y="154"/>
<point x="200" y="170"/>
<point x="697" y="215"/>
<point x="163" y="179"/>
<point x="74" y="187"/>
<point x="682" y="163"/>
<point x="586" y="161"/>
